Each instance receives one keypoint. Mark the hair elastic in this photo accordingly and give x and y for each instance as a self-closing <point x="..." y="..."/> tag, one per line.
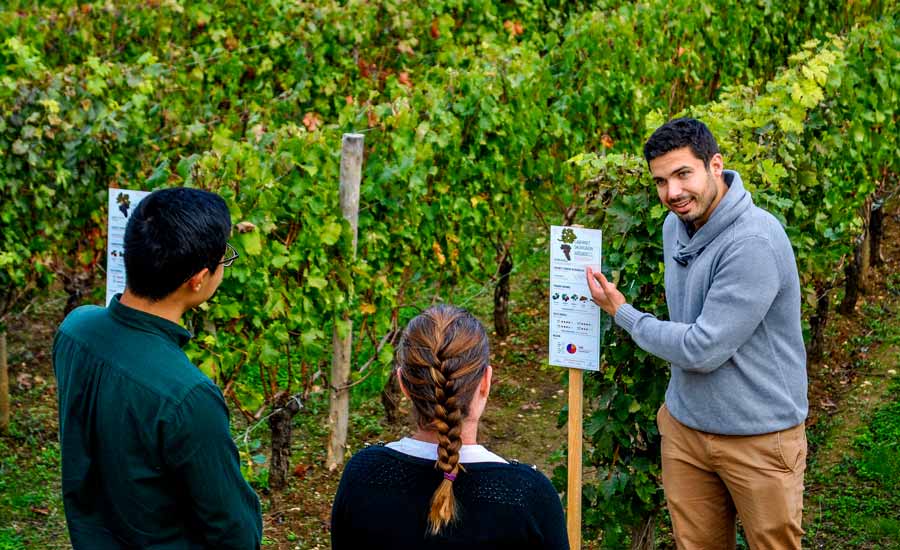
<point x="449" y="476"/>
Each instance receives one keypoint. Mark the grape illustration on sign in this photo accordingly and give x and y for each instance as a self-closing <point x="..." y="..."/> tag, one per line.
<point x="124" y="202"/>
<point x="568" y="237"/>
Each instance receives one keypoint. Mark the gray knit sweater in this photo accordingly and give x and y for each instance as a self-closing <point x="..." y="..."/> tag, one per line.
<point x="734" y="338"/>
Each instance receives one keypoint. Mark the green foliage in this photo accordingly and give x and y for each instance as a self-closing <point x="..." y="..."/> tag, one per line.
<point x="219" y="110"/>
<point x="29" y="480"/>
<point x="62" y="132"/>
<point x="860" y="505"/>
<point x="275" y="305"/>
<point x="470" y="112"/>
<point x="879" y="446"/>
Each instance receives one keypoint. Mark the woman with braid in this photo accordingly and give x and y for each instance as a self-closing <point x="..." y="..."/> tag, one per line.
<point x="439" y="489"/>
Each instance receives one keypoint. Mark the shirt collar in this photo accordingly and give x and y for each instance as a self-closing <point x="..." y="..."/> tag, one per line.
<point x="148" y="322"/>
<point x="429" y="451"/>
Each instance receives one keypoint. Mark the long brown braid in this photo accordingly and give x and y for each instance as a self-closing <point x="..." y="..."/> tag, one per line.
<point x="443" y="355"/>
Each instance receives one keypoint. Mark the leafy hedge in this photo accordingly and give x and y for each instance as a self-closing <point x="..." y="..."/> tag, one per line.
<point x="471" y="111"/>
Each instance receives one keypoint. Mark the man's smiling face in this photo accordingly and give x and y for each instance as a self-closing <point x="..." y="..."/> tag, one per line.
<point x="686" y="186"/>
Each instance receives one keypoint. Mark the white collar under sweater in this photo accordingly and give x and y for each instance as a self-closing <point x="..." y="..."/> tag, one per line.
<point x="468" y="454"/>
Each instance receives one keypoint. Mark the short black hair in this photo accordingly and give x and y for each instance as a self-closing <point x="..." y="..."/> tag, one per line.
<point x="682" y="132"/>
<point x="170" y="236"/>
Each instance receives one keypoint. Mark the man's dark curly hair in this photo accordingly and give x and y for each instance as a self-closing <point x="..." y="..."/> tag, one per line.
<point x="682" y="132"/>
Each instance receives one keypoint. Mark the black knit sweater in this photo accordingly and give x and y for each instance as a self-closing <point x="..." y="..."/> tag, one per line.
<point x="384" y="498"/>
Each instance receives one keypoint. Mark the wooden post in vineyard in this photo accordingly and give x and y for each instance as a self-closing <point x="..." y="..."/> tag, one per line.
<point x="573" y="492"/>
<point x="4" y="383"/>
<point x="339" y="410"/>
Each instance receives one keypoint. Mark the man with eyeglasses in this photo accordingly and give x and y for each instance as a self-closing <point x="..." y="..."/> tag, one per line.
<point x="147" y="455"/>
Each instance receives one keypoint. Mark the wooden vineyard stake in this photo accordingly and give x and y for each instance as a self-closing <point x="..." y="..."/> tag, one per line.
<point x="339" y="410"/>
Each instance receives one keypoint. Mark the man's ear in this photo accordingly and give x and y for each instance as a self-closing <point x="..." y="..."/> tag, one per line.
<point x="716" y="165"/>
<point x="402" y="385"/>
<point x="195" y="283"/>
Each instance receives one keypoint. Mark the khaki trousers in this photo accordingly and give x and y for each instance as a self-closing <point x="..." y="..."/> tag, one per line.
<point x="708" y="478"/>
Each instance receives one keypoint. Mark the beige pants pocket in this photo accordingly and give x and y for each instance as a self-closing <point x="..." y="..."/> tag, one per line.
<point x="791" y="447"/>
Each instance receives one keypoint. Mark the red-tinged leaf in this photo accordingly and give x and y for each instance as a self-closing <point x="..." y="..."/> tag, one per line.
<point x="514" y="28"/>
<point x="435" y="31"/>
<point x="302" y="469"/>
<point x="363" y="68"/>
<point x="372" y="118"/>
<point x="312" y="121"/>
<point x="404" y="79"/>
<point x="40" y="510"/>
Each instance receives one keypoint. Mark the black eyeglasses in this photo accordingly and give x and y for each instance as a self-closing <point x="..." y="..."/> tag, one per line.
<point x="230" y="255"/>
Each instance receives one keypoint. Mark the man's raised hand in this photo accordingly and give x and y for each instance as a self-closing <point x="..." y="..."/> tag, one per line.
<point x="604" y="293"/>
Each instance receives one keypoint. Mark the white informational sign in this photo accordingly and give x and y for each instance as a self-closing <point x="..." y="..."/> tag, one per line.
<point x="122" y="203"/>
<point x="574" y="318"/>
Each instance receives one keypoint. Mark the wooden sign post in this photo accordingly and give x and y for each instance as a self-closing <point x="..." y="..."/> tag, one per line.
<point x="574" y="343"/>
<point x="573" y="492"/>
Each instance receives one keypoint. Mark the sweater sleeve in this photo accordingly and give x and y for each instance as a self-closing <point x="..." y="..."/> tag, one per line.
<point x="743" y="289"/>
<point x="205" y="460"/>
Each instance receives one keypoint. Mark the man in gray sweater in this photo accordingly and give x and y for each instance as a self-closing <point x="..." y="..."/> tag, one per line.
<point x="732" y="426"/>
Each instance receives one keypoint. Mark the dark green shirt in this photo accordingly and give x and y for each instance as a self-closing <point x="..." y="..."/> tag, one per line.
<point x="147" y="455"/>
